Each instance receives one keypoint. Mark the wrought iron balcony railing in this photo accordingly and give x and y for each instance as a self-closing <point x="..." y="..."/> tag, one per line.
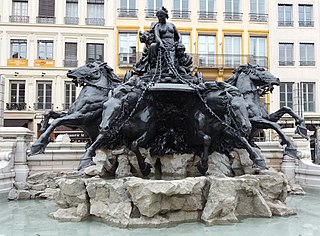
<point x="176" y="14"/>
<point x="232" y="16"/>
<point x="46" y="20"/>
<point x="20" y="106"/>
<point x="150" y="13"/>
<point x="205" y="60"/>
<point x="257" y="17"/>
<point x="306" y="23"/>
<point x="71" y="20"/>
<point x="43" y="106"/>
<point x="128" y="59"/>
<point x="95" y="21"/>
<point x="285" y="23"/>
<point x="207" y="15"/>
<point x="307" y="63"/>
<point x="227" y="60"/>
<point x="70" y="63"/>
<point x="127" y="12"/>
<point x="19" y="19"/>
<point x="286" y="63"/>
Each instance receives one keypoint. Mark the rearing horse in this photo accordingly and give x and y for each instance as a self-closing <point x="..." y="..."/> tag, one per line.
<point x="97" y="79"/>
<point x="253" y="82"/>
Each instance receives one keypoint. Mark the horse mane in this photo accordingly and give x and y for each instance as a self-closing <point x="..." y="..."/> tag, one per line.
<point x="246" y="68"/>
<point x="107" y="71"/>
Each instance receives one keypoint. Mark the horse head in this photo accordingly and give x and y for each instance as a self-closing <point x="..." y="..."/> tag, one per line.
<point x="259" y="76"/>
<point x="93" y="73"/>
<point x="237" y="113"/>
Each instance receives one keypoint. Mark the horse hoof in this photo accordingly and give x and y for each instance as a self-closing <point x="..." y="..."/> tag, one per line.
<point x="260" y="164"/>
<point x="85" y="163"/>
<point x="202" y="169"/>
<point x="36" y="148"/>
<point x="292" y="152"/>
<point x="302" y="131"/>
<point x="146" y="170"/>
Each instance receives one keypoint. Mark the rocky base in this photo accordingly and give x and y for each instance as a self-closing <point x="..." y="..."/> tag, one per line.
<point x="136" y="202"/>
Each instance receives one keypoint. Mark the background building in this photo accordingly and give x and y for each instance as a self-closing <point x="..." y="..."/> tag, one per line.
<point x="42" y="39"/>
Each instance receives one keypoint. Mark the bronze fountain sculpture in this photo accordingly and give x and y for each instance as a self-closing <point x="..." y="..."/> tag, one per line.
<point x="162" y="106"/>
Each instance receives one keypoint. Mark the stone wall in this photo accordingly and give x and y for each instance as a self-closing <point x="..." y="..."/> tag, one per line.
<point x="13" y="157"/>
<point x="1" y="100"/>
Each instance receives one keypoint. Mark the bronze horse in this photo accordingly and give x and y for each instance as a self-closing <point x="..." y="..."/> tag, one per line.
<point x="97" y="80"/>
<point x="254" y="81"/>
<point x="160" y="113"/>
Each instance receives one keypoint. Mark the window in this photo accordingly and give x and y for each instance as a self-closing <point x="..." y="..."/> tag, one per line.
<point x="72" y="12"/>
<point x="206" y="50"/>
<point x="207" y="10"/>
<point x="286" y="54"/>
<point x="17" y="96"/>
<point x="307" y="54"/>
<point x="45" y="50"/>
<point x="181" y="9"/>
<point x="18" y="48"/>
<point x="232" y="50"/>
<point x="305" y="16"/>
<point x="70" y="55"/>
<point x="44" y="98"/>
<point x="95" y="52"/>
<point x="285" y="15"/>
<point x="95" y="12"/>
<point x="232" y="10"/>
<point x="258" y="10"/>
<point x="128" y="48"/>
<point x="70" y="95"/>
<point x="46" y="12"/>
<point x="286" y="94"/>
<point x="185" y="40"/>
<point x="127" y="8"/>
<point x="308" y="97"/>
<point x="152" y="7"/>
<point x="258" y="48"/>
<point x="19" y="11"/>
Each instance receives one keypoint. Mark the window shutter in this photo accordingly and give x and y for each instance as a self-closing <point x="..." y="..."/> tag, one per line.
<point x="71" y="51"/>
<point x="46" y="8"/>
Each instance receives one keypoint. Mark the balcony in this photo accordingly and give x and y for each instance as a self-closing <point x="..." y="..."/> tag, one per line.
<point x="227" y="60"/>
<point x="71" y="20"/>
<point x="70" y="63"/>
<point x="207" y="15"/>
<point x="285" y="23"/>
<point x="232" y="16"/>
<point x="19" y="19"/>
<point x="176" y="14"/>
<point x="95" y="21"/>
<point x="43" y="106"/>
<point x="286" y="63"/>
<point x="46" y="20"/>
<point x="307" y="63"/>
<point x="150" y="13"/>
<point x="257" y="17"/>
<point x="306" y="23"/>
<point x="21" y="106"/>
<point x="126" y="12"/>
<point x="128" y="59"/>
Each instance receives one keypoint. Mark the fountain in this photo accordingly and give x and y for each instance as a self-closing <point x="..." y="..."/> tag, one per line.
<point x="167" y="147"/>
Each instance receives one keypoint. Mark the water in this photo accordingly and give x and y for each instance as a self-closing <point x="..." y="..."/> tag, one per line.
<point x="28" y="218"/>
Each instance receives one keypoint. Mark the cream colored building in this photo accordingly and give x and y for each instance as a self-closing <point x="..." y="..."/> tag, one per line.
<point x="40" y="41"/>
<point x="294" y="57"/>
